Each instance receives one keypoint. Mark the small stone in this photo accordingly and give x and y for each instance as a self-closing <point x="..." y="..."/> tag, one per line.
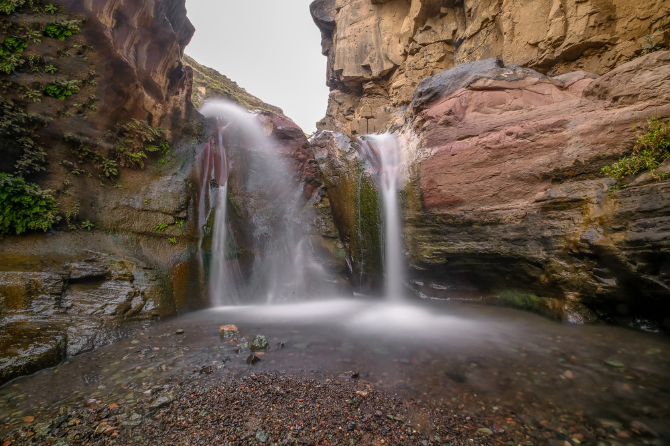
<point x="179" y="332"/>
<point x="262" y="436"/>
<point x="133" y="421"/>
<point x="259" y="342"/>
<point x="615" y="363"/>
<point x="42" y="429"/>
<point x="351" y="426"/>
<point x="162" y="400"/>
<point x="101" y="428"/>
<point x="252" y="359"/>
<point x="28" y="419"/>
<point x="484" y="430"/>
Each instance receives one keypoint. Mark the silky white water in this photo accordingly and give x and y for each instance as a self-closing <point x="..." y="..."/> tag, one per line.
<point x="387" y="150"/>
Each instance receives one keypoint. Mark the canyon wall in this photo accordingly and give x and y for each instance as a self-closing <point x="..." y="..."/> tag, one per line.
<point x="507" y="112"/>
<point x="503" y="190"/>
<point x="379" y="50"/>
<point x="122" y="250"/>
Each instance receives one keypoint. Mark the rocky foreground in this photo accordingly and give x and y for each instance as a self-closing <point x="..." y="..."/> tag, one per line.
<point x="275" y="408"/>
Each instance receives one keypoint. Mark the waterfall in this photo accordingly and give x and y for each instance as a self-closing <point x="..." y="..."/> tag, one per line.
<point x="385" y="150"/>
<point x="247" y="185"/>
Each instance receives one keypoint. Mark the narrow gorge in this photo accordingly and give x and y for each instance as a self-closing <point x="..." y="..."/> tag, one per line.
<point x="472" y="248"/>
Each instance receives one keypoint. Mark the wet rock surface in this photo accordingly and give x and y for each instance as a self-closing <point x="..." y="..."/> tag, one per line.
<point x="75" y="307"/>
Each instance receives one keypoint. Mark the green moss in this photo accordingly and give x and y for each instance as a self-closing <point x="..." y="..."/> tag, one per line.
<point x="62" y="89"/>
<point x="520" y="300"/>
<point x="369" y="226"/>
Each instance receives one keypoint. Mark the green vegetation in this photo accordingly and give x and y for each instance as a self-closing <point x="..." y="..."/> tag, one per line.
<point x="62" y="29"/>
<point x="9" y="61"/>
<point x="51" y="9"/>
<point x="217" y="85"/>
<point x="33" y="36"/>
<point x="9" y="6"/>
<point x="652" y="148"/>
<point x="520" y="300"/>
<point x="369" y="225"/>
<point x="33" y="95"/>
<point x="15" y="44"/>
<point x="25" y="206"/>
<point x="172" y="240"/>
<point x="133" y="138"/>
<point x="161" y="228"/>
<point x="10" y="48"/>
<point x="17" y="138"/>
<point x="87" y="225"/>
<point x="62" y="89"/>
<point x="109" y="168"/>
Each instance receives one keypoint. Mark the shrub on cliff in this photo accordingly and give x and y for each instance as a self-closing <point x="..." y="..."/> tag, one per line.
<point x="24" y="206"/>
<point x="15" y="44"/>
<point x="9" y="6"/>
<point x="18" y="141"/>
<point x="62" y="29"/>
<point x="135" y="137"/>
<point x="652" y="148"/>
<point x="61" y="89"/>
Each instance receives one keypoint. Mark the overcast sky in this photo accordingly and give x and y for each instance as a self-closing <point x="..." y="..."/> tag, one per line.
<point x="271" y="48"/>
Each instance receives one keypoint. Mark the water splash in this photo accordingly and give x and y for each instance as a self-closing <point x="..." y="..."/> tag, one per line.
<point x="384" y="152"/>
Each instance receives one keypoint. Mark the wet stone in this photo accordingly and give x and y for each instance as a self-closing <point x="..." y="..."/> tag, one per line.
<point x="162" y="401"/>
<point x="133" y="421"/>
<point x="259" y="342"/>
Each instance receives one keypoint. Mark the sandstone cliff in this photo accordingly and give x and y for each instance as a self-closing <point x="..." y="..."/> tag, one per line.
<point x="503" y="190"/>
<point x="379" y="50"/>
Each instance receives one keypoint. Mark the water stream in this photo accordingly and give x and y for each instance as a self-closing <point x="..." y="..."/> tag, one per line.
<point x="385" y="151"/>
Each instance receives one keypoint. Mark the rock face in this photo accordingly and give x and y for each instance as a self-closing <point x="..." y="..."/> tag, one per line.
<point x="379" y="50"/>
<point x="503" y="190"/>
<point x="123" y="252"/>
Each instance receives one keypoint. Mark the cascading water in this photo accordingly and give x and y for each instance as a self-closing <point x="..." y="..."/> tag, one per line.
<point x="277" y="263"/>
<point x="385" y="150"/>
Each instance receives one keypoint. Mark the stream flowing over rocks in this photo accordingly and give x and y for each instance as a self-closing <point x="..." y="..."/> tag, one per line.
<point x="217" y="276"/>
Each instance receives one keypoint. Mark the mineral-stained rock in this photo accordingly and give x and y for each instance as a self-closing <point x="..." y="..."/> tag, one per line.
<point x="355" y="204"/>
<point x="394" y="44"/>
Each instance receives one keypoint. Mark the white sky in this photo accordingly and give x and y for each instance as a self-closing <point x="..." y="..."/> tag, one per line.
<point x="271" y="48"/>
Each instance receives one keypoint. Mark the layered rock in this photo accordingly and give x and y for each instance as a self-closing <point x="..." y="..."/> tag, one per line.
<point x="124" y="249"/>
<point x="503" y="190"/>
<point x="379" y="50"/>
